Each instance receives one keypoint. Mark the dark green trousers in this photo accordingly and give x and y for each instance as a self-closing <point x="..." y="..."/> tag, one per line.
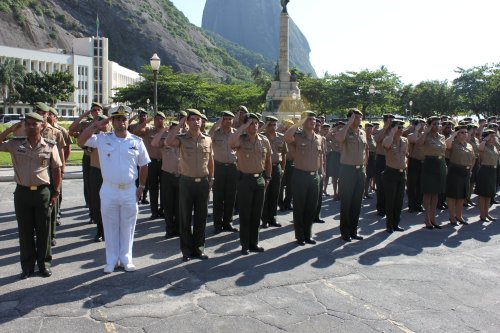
<point x="224" y="193"/>
<point x="379" y="181"/>
<point x="170" y="186"/>
<point x="33" y="219"/>
<point x="193" y="196"/>
<point x="251" y="198"/>
<point x="394" y="186"/>
<point x="305" y="201"/>
<point x="414" y="190"/>
<point x="317" y="216"/>
<point x="270" y="209"/>
<point x="285" y="198"/>
<point x="154" y="184"/>
<point x="351" y="188"/>
<point x="95" y="183"/>
<point x="54" y="211"/>
<point x="85" y="172"/>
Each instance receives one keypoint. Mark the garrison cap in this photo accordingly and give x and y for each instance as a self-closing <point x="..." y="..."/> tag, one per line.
<point x="95" y="104"/>
<point x="471" y="126"/>
<point x="227" y="114"/>
<point x="194" y="112"/>
<point x="251" y="116"/>
<point x="388" y="116"/>
<point x="204" y="117"/>
<point x="308" y="114"/>
<point x="53" y="111"/>
<point x="488" y="132"/>
<point x="271" y="118"/>
<point x="33" y="115"/>
<point x="460" y="127"/>
<point x="432" y="119"/>
<point x="243" y="108"/>
<point x="42" y="107"/>
<point x="182" y="114"/>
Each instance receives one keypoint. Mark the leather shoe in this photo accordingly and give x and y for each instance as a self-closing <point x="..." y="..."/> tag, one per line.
<point x="229" y="228"/>
<point x="245" y="252"/>
<point x="264" y="226"/>
<point x="310" y="241"/>
<point x="357" y="237"/>
<point x="98" y="238"/>
<point x="274" y="224"/>
<point x="436" y="226"/>
<point x="319" y="221"/>
<point x="346" y="239"/>
<point x="25" y="274"/>
<point x="398" y="228"/>
<point x="186" y="258"/>
<point x="301" y="242"/>
<point x="256" y="249"/>
<point x="46" y="272"/>
<point x="200" y="255"/>
<point x="154" y="216"/>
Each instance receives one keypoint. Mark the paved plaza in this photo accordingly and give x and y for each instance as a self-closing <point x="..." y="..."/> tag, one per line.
<point x="417" y="281"/>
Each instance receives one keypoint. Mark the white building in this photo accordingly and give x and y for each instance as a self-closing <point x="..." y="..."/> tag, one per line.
<point x="94" y="76"/>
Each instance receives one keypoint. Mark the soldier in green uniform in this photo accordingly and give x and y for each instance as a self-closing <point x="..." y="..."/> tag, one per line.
<point x="487" y="173"/>
<point x="225" y="173"/>
<point x="353" y="159"/>
<point x="309" y="168"/>
<point x="396" y="150"/>
<point x="380" y="162"/>
<point x="285" y="199"/>
<point x="415" y="162"/>
<point x="197" y="176"/>
<point x="474" y="141"/>
<point x="32" y="158"/>
<point x="147" y="133"/>
<point x="142" y="120"/>
<point x="253" y="152"/>
<point x="278" y="160"/>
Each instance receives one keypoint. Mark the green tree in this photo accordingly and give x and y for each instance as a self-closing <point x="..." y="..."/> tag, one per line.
<point x="433" y="98"/>
<point x="11" y="74"/>
<point x="46" y="87"/>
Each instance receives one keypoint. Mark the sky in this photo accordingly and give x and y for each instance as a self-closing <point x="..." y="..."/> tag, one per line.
<point x="418" y="40"/>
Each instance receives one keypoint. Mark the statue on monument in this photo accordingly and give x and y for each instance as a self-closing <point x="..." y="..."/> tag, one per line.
<point x="283" y="4"/>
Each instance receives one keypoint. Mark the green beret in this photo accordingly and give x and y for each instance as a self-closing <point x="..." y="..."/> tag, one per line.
<point x="308" y="114"/>
<point x="355" y="111"/>
<point x="160" y="114"/>
<point x="183" y="114"/>
<point x="271" y="118"/>
<point x="432" y="119"/>
<point x="34" y="115"/>
<point x="204" y="117"/>
<point x="251" y="116"/>
<point x="243" y="108"/>
<point x="194" y="112"/>
<point x="53" y="111"/>
<point x="227" y="114"/>
<point x="95" y="104"/>
<point x="42" y="107"/>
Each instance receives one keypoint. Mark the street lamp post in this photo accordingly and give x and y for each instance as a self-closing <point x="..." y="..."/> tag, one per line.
<point x="410" y="103"/>
<point x="155" y="66"/>
<point x="371" y="91"/>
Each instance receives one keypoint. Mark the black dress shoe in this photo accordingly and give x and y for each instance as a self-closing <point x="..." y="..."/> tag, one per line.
<point x="98" y="238"/>
<point x="319" y="221"/>
<point x="264" y="226"/>
<point x="144" y="201"/>
<point x="245" y="252"/>
<point x="186" y="258"/>
<point x="389" y="230"/>
<point x="357" y="237"/>
<point x="346" y="239"/>
<point x="154" y="216"/>
<point x="430" y="227"/>
<point x="398" y="228"/>
<point x="483" y="219"/>
<point x="161" y="214"/>
<point x="58" y="223"/>
<point x="170" y="235"/>
<point x="301" y="242"/>
<point x="229" y="228"/>
<point x="200" y="255"/>
<point x="46" y="272"/>
<point x="310" y="241"/>
<point x="26" y="274"/>
<point x="91" y="221"/>
<point x="53" y="242"/>
<point x="274" y="224"/>
<point x="436" y="226"/>
<point x="256" y="249"/>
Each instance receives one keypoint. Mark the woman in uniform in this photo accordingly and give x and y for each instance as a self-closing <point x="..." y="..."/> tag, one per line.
<point x="487" y="174"/>
<point x="458" y="179"/>
<point x="433" y="169"/>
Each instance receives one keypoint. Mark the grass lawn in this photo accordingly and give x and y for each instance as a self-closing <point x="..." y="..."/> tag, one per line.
<point x="75" y="158"/>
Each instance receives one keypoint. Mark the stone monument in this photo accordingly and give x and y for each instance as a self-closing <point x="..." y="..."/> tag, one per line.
<point x="284" y="95"/>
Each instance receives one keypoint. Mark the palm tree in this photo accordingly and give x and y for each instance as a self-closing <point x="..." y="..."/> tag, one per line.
<point x="11" y="74"/>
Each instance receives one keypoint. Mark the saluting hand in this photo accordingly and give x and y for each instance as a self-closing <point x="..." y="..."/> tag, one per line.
<point x="16" y="127"/>
<point x="351" y="120"/>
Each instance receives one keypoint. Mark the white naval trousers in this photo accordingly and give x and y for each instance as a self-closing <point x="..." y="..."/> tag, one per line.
<point x="119" y="215"/>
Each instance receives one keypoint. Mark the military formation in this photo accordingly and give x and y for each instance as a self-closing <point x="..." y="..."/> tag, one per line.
<point x="253" y="165"/>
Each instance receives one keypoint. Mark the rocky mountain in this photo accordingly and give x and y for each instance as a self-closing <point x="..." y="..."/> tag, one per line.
<point x="255" y="26"/>
<point x="136" y="29"/>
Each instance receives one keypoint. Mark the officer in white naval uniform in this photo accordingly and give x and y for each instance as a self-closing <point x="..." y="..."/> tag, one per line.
<point x="119" y="154"/>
